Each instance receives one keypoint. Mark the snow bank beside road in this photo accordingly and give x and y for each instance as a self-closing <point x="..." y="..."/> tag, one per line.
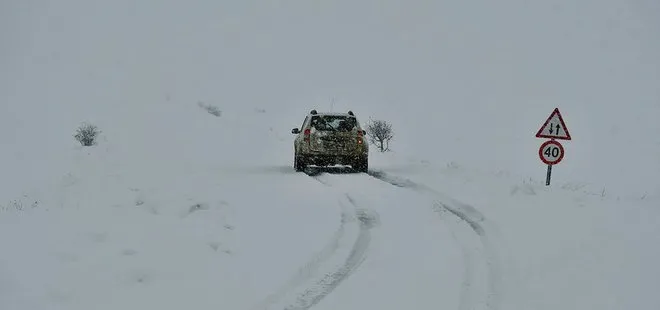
<point x="212" y="240"/>
<point x="559" y="246"/>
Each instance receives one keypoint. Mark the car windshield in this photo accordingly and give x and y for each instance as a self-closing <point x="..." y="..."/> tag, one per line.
<point x="333" y="123"/>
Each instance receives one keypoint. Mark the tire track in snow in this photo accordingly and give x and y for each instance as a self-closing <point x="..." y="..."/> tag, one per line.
<point x="471" y="293"/>
<point x="308" y="270"/>
<point x="316" y="289"/>
<point x="324" y="286"/>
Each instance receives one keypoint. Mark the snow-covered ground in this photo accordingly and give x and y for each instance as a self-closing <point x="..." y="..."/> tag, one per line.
<point x="565" y="246"/>
<point x="178" y="207"/>
<point x="184" y="229"/>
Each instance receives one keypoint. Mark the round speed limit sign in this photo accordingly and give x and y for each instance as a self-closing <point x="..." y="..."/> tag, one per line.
<point x="551" y="152"/>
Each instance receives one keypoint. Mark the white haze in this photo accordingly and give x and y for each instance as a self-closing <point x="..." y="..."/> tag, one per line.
<point x="461" y="81"/>
<point x="465" y="84"/>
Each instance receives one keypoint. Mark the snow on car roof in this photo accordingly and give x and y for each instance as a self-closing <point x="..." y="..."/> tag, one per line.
<point x="333" y="114"/>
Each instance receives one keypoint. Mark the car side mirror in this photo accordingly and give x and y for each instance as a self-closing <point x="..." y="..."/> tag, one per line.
<point x="295" y="131"/>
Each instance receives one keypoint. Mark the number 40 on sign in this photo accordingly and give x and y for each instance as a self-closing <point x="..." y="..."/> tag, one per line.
<point x="551" y="152"/>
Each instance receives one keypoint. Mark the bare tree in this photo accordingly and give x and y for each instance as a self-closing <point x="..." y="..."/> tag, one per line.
<point x="380" y="133"/>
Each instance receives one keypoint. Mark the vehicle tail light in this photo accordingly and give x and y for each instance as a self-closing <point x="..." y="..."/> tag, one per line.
<point x="307" y="133"/>
<point x="359" y="140"/>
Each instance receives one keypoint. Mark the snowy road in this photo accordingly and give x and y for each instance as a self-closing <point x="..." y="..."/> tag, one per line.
<point x="397" y="238"/>
<point x="482" y="279"/>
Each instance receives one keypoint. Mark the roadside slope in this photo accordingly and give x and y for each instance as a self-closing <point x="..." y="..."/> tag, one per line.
<point x="158" y="217"/>
<point x="564" y="246"/>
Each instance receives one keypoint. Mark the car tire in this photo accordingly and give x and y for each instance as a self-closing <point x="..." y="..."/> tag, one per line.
<point x="362" y="165"/>
<point x="298" y="163"/>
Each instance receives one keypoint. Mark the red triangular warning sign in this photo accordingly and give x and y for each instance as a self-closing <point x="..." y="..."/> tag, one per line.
<point x="554" y="127"/>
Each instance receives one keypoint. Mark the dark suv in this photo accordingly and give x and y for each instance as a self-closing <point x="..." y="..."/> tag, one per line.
<point x="330" y="139"/>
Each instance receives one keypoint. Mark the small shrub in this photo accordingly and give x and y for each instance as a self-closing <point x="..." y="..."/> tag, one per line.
<point x="380" y="133"/>
<point x="87" y="134"/>
<point x="453" y="165"/>
<point x="213" y="110"/>
<point x="14" y="205"/>
<point x="17" y="205"/>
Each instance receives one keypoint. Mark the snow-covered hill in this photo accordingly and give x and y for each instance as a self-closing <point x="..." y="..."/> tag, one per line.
<point x="176" y="207"/>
